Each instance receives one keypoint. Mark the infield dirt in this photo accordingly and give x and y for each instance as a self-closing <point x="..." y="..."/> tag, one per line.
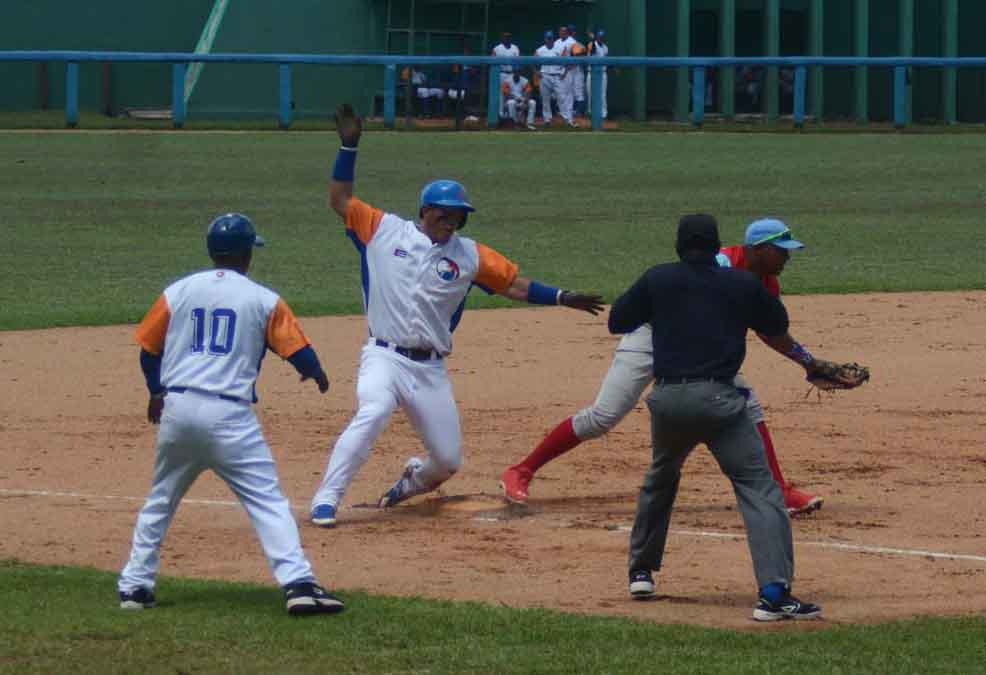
<point x="900" y="462"/>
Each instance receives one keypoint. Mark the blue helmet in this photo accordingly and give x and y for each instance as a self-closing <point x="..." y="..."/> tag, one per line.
<point x="230" y="234"/>
<point x="448" y="194"/>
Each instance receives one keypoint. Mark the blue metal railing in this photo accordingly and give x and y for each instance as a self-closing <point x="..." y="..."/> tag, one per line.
<point x="699" y="65"/>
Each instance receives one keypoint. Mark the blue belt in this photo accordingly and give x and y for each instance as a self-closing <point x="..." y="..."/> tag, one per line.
<point x="182" y="390"/>
<point x="410" y="353"/>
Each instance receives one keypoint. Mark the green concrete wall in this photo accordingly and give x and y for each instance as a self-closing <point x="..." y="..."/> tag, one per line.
<point x="96" y="25"/>
<point x="358" y="26"/>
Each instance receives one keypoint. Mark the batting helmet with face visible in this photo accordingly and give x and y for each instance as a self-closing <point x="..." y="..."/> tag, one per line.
<point x="231" y="234"/>
<point x="447" y="194"/>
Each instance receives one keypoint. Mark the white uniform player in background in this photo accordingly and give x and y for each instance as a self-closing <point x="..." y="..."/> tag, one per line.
<point x="565" y="44"/>
<point x="598" y="47"/>
<point x="578" y="85"/>
<point x="415" y="280"/>
<point x="517" y="101"/>
<point x="201" y="347"/>
<point x="505" y="50"/>
<point x="551" y="84"/>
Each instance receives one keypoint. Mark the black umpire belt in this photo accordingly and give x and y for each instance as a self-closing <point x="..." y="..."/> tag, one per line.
<point x="692" y="380"/>
<point x="410" y="352"/>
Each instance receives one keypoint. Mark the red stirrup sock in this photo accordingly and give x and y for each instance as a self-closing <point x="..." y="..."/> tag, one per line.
<point x="768" y="445"/>
<point x="561" y="439"/>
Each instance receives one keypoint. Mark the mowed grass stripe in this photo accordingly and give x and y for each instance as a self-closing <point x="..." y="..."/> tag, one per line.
<point x="57" y="619"/>
<point x="96" y="224"/>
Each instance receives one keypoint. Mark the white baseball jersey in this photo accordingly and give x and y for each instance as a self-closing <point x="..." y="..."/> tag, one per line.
<point x="213" y="328"/>
<point x="414" y="291"/>
<point x="548" y="52"/>
<point x="503" y="52"/>
<point x="518" y="89"/>
<point x="565" y="46"/>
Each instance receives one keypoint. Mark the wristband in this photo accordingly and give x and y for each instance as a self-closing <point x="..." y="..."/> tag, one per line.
<point x="800" y="355"/>
<point x="344" y="170"/>
<point x="542" y="294"/>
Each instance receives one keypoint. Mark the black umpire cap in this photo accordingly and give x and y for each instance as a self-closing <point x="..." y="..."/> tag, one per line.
<point x="698" y="232"/>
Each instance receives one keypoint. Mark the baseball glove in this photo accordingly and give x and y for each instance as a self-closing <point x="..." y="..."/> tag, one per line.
<point x="349" y="125"/>
<point x="829" y="376"/>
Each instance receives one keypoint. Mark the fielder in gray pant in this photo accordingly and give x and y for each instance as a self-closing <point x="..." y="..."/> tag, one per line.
<point x="711" y="412"/>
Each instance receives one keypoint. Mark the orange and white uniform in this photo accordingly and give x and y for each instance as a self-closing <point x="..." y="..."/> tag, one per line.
<point x="414" y="294"/>
<point x="516" y="95"/>
<point x="211" y="330"/>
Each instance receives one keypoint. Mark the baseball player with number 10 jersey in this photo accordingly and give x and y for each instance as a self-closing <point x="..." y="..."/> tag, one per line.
<point x="201" y="347"/>
<point x="415" y="280"/>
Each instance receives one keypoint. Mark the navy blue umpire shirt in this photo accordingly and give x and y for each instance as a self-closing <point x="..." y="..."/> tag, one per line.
<point x="699" y="313"/>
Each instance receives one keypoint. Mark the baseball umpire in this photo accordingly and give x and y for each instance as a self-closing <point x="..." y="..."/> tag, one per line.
<point x="765" y="251"/>
<point x="700" y="313"/>
<point x="201" y="347"/>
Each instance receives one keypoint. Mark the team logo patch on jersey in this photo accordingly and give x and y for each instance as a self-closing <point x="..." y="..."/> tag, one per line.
<point x="400" y="253"/>
<point x="448" y="269"/>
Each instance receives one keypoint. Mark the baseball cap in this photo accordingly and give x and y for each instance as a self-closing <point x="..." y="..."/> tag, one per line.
<point x="601" y="32"/>
<point x="549" y="34"/>
<point x="698" y="231"/>
<point x="773" y="231"/>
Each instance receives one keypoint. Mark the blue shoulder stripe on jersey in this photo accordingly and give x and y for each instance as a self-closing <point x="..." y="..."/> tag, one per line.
<point x="364" y="268"/>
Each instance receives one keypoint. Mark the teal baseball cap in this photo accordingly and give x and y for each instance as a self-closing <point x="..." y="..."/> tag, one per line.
<point x="770" y="231"/>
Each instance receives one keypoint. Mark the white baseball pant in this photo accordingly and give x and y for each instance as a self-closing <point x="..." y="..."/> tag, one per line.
<point x="550" y="87"/>
<point x="624" y="384"/>
<point x="387" y="380"/>
<point x="198" y="432"/>
<point x="579" y="83"/>
<point x="566" y="96"/>
<point x="515" y="110"/>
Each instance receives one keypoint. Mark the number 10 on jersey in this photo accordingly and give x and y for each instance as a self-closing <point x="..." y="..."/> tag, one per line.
<point x="222" y="330"/>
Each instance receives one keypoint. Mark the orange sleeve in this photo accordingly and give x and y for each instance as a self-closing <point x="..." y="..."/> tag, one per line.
<point x="528" y="89"/>
<point x="284" y="334"/>
<point x="152" y="330"/>
<point x="496" y="272"/>
<point x="505" y="88"/>
<point x="363" y="219"/>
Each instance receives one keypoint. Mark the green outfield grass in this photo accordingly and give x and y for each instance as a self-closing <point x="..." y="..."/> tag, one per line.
<point x="58" y="619"/>
<point x="95" y="224"/>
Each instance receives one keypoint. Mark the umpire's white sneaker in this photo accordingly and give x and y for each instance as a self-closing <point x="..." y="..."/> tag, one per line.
<point x="641" y="585"/>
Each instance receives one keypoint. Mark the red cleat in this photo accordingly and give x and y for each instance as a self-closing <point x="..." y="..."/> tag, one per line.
<point x="515" y="482"/>
<point x="799" y="503"/>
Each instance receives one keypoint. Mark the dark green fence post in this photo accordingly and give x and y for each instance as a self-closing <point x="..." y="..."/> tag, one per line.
<point x="816" y="47"/>
<point x="727" y="48"/>
<point x="683" y="38"/>
<point x="638" y="47"/>
<point x="905" y="47"/>
<point x="950" y="49"/>
<point x="772" y="37"/>
<point x="862" y="41"/>
<point x="800" y="75"/>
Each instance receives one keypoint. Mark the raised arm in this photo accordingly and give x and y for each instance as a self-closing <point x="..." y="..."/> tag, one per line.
<point x="350" y="128"/>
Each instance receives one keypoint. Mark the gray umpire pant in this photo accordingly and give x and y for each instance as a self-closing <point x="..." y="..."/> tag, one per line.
<point x="711" y="412"/>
